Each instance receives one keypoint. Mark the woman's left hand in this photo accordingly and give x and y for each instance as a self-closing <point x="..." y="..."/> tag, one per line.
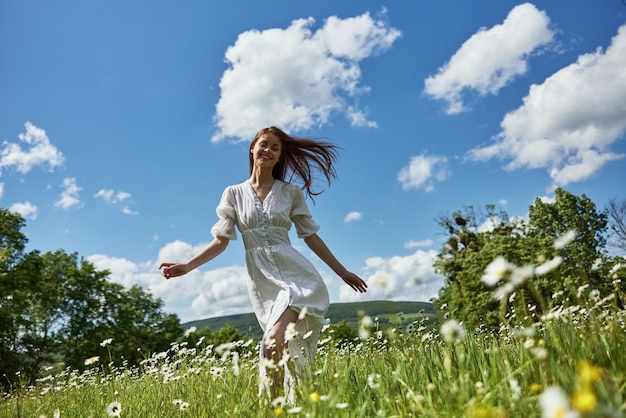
<point x="355" y="282"/>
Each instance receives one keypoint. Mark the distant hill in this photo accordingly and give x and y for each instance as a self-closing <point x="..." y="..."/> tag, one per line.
<point x="386" y="312"/>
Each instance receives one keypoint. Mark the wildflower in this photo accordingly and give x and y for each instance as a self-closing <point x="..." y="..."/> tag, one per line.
<point x="529" y="343"/>
<point x="480" y="387"/>
<point x="225" y="348"/>
<point x="565" y="239"/>
<point x="364" y="329"/>
<point x="57" y="413"/>
<point x="302" y="313"/>
<point x="534" y="387"/>
<point x="515" y="389"/>
<point x="380" y="279"/>
<point x="284" y="360"/>
<point x="106" y="342"/>
<point x="503" y="291"/>
<point x="290" y="332"/>
<point x="584" y="401"/>
<point x="278" y="411"/>
<point x="235" y="363"/>
<point x="268" y="363"/>
<point x="114" y="409"/>
<point x="496" y="270"/>
<point x="540" y="353"/>
<point x="373" y="381"/>
<point x="190" y="331"/>
<point x="341" y="405"/>
<point x="452" y="331"/>
<point x="307" y="335"/>
<point x="314" y="397"/>
<point x="278" y="402"/>
<point x="587" y="373"/>
<point x="521" y="274"/>
<point x="294" y="410"/>
<point x="549" y="265"/>
<point x="92" y="360"/>
<point x="554" y="404"/>
<point x="183" y="405"/>
<point x="216" y="371"/>
<point x="485" y="411"/>
<point x="367" y="321"/>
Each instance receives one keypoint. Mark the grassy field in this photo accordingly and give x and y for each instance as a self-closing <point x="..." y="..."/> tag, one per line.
<point x="570" y="363"/>
<point x="386" y="311"/>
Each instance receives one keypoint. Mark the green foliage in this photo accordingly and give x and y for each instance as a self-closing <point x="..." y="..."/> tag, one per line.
<point x="476" y="239"/>
<point x="342" y="333"/>
<point x="55" y="309"/>
<point x="205" y="337"/>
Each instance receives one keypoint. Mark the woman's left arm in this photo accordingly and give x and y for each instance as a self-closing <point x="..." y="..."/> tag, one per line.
<point x="319" y="247"/>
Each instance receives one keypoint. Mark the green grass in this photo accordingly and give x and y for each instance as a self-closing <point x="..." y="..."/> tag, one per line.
<point x="387" y="311"/>
<point x="388" y="374"/>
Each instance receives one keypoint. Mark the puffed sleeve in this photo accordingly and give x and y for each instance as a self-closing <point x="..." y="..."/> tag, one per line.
<point x="301" y="216"/>
<point x="225" y="226"/>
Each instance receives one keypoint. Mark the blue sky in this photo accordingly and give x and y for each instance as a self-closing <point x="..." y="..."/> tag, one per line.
<point x="122" y="122"/>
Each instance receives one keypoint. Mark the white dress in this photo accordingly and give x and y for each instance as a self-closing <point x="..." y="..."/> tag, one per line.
<point x="278" y="275"/>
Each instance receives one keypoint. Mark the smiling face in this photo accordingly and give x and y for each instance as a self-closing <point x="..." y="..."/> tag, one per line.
<point x="266" y="151"/>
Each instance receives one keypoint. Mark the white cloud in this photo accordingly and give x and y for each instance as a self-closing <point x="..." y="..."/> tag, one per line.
<point x="211" y="292"/>
<point x="295" y="78"/>
<point x="26" y="209"/>
<point x="423" y="171"/>
<point x="127" y="211"/>
<point x="409" y="277"/>
<point x="491" y="58"/>
<point x="37" y="151"/>
<point x="489" y="224"/>
<point x="69" y="195"/>
<point x="222" y="291"/>
<point x="201" y="293"/>
<point x="423" y="243"/>
<point x="1" y="190"/>
<point x="568" y="123"/>
<point x="111" y="196"/>
<point x="353" y="216"/>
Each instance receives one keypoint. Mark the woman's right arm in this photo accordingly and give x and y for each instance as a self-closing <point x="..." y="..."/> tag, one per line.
<point x="215" y="248"/>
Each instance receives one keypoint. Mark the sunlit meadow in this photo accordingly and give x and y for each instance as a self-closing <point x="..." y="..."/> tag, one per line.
<point x="569" y="362"/>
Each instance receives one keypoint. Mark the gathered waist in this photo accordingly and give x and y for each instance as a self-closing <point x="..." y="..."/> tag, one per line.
<point x="265" y="236"/>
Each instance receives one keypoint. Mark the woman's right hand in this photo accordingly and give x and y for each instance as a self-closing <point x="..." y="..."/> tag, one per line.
<point x="170" y="270"/>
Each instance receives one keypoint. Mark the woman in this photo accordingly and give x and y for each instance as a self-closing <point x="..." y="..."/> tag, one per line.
<point x="288" y="295"/>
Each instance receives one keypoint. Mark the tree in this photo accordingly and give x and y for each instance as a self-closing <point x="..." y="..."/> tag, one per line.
<point x="58" y="308"/>
<point x="617" y="213"/>
<point x="226" y="334"/>
<point x="470" y="247"/>
<point x="12" y="289"/>
<point x="138" y="325"/>
<point x="585" y="261"/>
<point x="342" y="333"/>
<point x="476" y="239"/>
<point x="96" y="310"/>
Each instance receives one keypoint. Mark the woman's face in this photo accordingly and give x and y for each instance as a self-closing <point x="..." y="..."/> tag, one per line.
<point x="266" y="151"/>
